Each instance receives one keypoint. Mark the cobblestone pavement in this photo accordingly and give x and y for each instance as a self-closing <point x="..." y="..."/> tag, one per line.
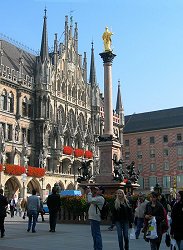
<point x="66" y="237"/>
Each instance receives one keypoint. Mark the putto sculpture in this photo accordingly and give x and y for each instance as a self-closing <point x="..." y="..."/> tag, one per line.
<point x="84" y="171"/>
<point x="129" y="174"/>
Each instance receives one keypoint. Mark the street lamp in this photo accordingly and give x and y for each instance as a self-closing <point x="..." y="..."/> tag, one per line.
<point x="24" y="179"/>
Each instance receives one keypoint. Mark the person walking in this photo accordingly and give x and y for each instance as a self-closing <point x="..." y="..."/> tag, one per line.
<point x="123" y="218"/>
<point x="139" y="213"/>
<point x="154" y="209"/>
<point x="18" y="207"/>
<point x="3" y="206"/>
<point x="54" y="206"/>
<point x="24" y="207"/>
<point x="41" y="211"/>
<point x="12" y="207"/>
<point x="176" y="230"/>
<point x="33" y="204"/>
<point x="96" y="201"/>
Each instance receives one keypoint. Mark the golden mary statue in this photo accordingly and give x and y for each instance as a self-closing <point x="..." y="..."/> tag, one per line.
<point x="107" y="39"/>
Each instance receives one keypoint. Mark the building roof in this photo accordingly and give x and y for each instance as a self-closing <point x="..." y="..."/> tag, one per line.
<point x="155" y="120"/>
<point x="11" y="56"/>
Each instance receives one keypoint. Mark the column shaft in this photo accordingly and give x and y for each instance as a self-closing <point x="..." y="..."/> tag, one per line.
<point x="108" y="110"/>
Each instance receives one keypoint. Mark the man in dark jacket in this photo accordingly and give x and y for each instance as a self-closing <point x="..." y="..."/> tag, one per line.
<point x="54" y="205"/>
<point x="3" y="206"/>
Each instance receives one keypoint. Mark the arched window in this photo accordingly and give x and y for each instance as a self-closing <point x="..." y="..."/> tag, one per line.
<point x="24" y="106"/>
<point x="4" y="100"/>
<point x="10" y="104"/>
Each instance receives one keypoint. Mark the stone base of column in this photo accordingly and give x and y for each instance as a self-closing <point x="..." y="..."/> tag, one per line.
<point x="107" y="150"/>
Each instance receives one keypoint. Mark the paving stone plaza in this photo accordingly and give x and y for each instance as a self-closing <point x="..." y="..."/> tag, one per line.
<point x="66" y="237"/>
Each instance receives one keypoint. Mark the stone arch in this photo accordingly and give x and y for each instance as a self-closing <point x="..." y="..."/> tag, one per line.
<point x="70" y="186"/>
<point x="34" y="184"/>
<point x="66" y="166"/>
<point x="61" y="185"/>
<point x="12" y="186"/>
<point x="74" y="168"/>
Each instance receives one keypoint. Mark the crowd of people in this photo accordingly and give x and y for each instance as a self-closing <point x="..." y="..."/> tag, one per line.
<point x="147" y="215"/>
<point x="140" y="216"/>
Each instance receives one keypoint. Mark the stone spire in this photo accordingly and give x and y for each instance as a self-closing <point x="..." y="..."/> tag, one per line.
<point x="85" y="68"/>
<point x="119" y="105"/>
<point x="92" y="80"/>
<point x="44" y="43"/>
<point x="55" y="51"/>
<point x="120" y="108"/>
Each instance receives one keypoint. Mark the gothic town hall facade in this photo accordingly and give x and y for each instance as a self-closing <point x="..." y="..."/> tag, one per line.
<point x="49" y="107"/>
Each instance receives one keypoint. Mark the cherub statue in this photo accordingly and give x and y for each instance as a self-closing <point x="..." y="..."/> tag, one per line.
<point x="107" y="39"/>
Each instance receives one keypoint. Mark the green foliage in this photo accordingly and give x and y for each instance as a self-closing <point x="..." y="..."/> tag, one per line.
<point x="74" y="204"/>
<point x="78" y="204"/>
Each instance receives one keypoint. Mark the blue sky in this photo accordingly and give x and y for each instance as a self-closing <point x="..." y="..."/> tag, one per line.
<point x="148" y="42"/>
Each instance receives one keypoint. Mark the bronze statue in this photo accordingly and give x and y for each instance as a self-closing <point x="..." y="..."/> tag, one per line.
<point x="86" y="175"/>
<point x="107" y="39"/>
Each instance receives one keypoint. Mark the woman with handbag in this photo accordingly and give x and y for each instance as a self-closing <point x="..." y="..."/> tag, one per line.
<point x="154" y="209"/>
<point x="176" y="230"/>
<point x="122" y="217"/>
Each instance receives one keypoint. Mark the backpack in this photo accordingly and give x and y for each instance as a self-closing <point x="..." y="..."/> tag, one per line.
<point x="104" y="211"/>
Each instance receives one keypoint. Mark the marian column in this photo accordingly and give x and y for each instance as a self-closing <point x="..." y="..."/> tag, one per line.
<point x="108" y="145"/>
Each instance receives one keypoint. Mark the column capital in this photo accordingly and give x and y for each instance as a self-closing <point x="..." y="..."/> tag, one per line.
<point x="107" y="56"/>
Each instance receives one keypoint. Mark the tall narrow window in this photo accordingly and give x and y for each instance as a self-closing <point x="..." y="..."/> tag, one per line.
<point x="152" y="167"/>
<point x="165" y="138"/>
<point x="139" y="141"/>
<point x="24" y="107"/>
<point x="152" y="153"/>
<point x="10" y="104"/>
<point x="152" y="140"/>
<point x="127" y="143"/>
<point x="9" y="132"/>
<point x="30" y="109"/>
<point x="4" y="100"/>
